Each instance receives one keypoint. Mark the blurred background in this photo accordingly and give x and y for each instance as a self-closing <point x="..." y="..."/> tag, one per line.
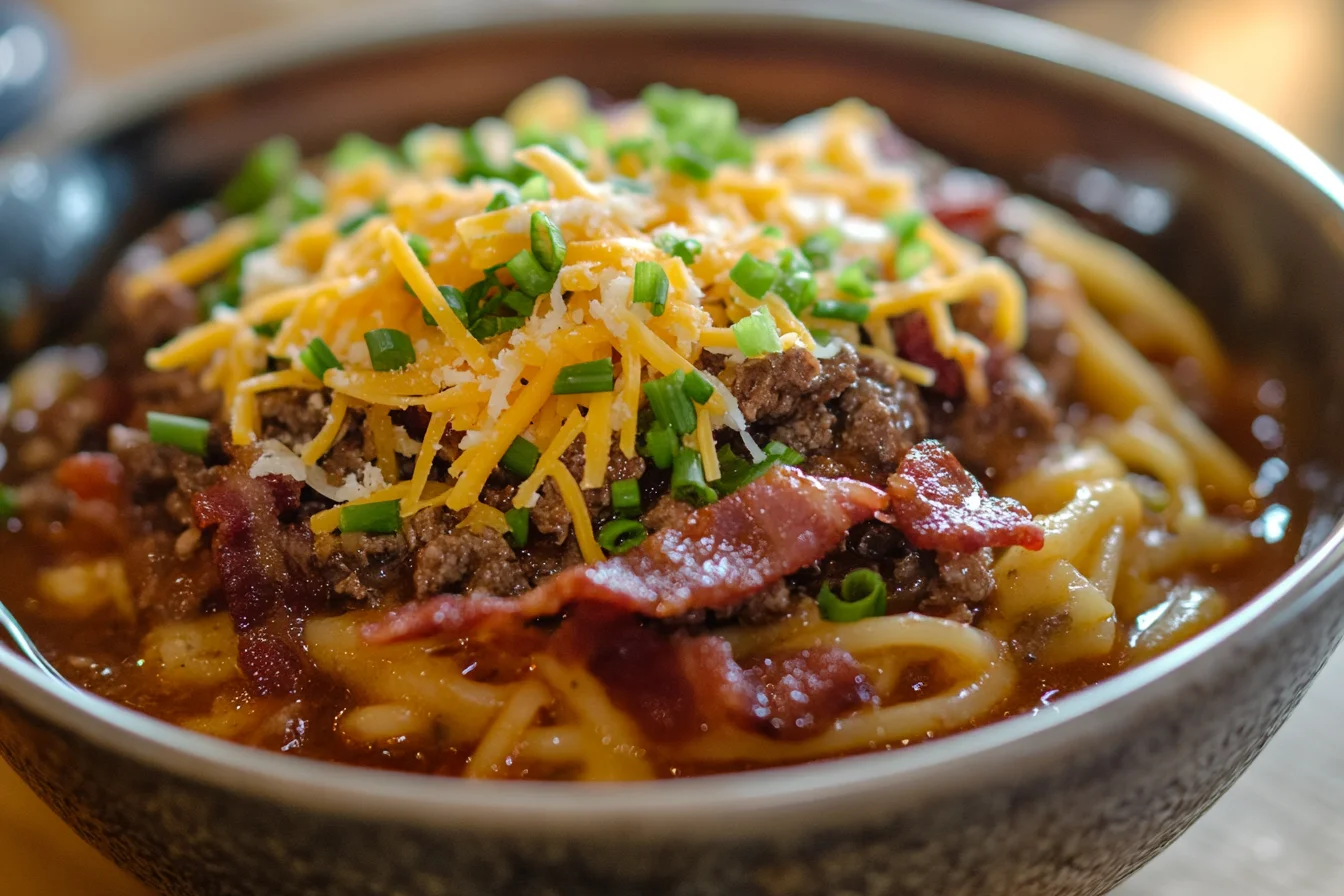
<point x="1280" y="830"/>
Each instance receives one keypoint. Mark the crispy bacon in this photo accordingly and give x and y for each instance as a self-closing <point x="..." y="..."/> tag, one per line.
<point x="91" y="476"/>
<point x="674" y="685"/>
<point x="914" y="342"/>
<point x="264" y="585"/>
<point x="724" y="553"/>
<point x="939" y="506"/>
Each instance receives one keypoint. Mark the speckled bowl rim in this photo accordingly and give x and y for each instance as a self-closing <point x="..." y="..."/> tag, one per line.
<point x="742" y="804"/>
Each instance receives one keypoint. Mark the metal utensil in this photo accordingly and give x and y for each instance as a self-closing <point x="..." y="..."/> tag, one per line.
<point x="25" y="645"/>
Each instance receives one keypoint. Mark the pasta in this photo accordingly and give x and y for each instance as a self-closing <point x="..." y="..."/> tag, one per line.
<point x="616" y="443"/>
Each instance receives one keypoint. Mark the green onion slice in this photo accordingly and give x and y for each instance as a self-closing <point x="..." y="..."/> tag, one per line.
<point x="356" y="149"/>
<point x="319" y="358"/>
<point x="651" y="286"/>
<point x="835" y="309"/>
<point x="753" y="276"/>
<point x="521" y="457"/>
<point x="686" y="249"/>
<point x="820" y="246"/>
<point x="266" y="169"/>
<point x="499" y="201"/>
<point x="535" y="189"/>
<point x="912" y="258"/>
<point x="590" y="376"/>
<point x="420" y="246"/>
<point x="661" y="445"/>
<point x="389" y="349"/>
<point x="756" y="334"/>
<point x="191" y="434"/>
<point x="625" y="497"/>
<point x="697" y="388"/>
<point x="619" y="536"/>
<point x="904" y="225"/>
<point x="862" y="594"/>
<point x="520" y="521"/>
<point x="530" y="274"/>
<point x="688" y="479"/>
<point x="379" y="517"/>
<point x="548" y="246"/>
<point x="853" y="281"/>
<point x="520" y="302"/>
<point x="684" y="159"/>
<point x="671" y="406"/>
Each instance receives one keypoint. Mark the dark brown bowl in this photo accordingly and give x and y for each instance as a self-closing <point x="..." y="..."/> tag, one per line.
<point x="1067" y="801"/>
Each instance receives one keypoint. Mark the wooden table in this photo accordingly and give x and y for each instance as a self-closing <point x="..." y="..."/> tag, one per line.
<point x="1281" y="829"/>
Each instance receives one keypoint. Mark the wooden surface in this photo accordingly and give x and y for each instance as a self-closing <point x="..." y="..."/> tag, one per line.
<point x="1281" y="829"/>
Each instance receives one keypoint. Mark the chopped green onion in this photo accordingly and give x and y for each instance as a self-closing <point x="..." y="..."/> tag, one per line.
<point x="521" y="457"/>
<point x="319" y="358"/>
<point x="783" y="453"/>
<point x="660" y="445"/>
<point x="456" y="301"/>
<point x="389" y="349"/>
<point x="530" y="274"/>
<point x="706" y="124"/>
<point x="306" y="197"/>
<point x="670" y="404"/>
<point x="625" y="497"/>
<point x="413" y="143"/>
<point x="590" y="376"/>
<point x="520" y="302"/>
<point x="220" y="294"/>
<point x="520" y="521"/>
<point x="862" y="594"/>
<point x="687" y="250"/>
<point x="191" y="434"/>
<point x="535" y="189"/>
<point x="798" y="290"/>
<point x="912" y="258"/>
<point x="823" y="337"/>
<point x="548" y="246"/>
<point x="835" y="309"/>
<point x="904" y="225"/>
<point x="820" y="246"/>
<point x="639" y="147"/>
<point x="756" y="334"/>
<point x="853" y="281"/>
<point x="379" y="517"/>
<point x="791" y="261"/>
<point x="356" y="221"/>
<point x="688" y="479"/>
<point x="266" y="169"/>
<point x="697" y="388"/>
<point x="686" y="160"/>
<point x="488" y="327"/>
<point x="500" y="200"/>
<point x="356" y="149"/>
<point x="420" y="246"/>
<point x="9" y="501"/>
<point x="753" y="276"/>
<point x="592" y="130"/>
<point x="772" y="231"/>
<point x="619" y="536"/>
<point x="651" y="286"/>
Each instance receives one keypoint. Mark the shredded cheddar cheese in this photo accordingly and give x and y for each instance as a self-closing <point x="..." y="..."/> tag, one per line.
<point x="447" y="328"/>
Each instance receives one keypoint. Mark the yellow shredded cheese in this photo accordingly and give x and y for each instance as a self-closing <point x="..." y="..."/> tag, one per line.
<point x="196" y="263"/>
<point x="572" y="495"/>
<point x="550" y="458"/>
<point x="326" y="436"/>
<point x="597" y="441"/>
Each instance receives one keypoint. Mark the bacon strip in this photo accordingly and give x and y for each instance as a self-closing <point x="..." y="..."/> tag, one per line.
<point x="724" y="553"/>
<point x="265" y="588"/>
<point x="939" y="506"/>
<point x="673" y="685"/>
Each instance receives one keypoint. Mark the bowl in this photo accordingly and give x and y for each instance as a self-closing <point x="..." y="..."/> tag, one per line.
<point x="1068" y="800"/>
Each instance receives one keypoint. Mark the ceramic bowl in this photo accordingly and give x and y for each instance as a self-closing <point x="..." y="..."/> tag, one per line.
<point x="1068" y="800"/>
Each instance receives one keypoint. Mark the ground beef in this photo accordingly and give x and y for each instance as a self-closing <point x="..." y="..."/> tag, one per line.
<point x="352" y="450"/>
<point x="666" y="513"/>
<point x="291" y="416"/>
<point x="549" y="514"/>
<point x="964" y="582"/>
<point x="810" y="430"/>
<point x="362" y="567"/>
<point x="998" y="440"/>
<point x="769" y="605"/>
<point x="770" y="388"/>
<point x="171" y="392"/>
<point x="160" y="481"/>
<point x="884" y="415"/>
<point x="468" y="561"/>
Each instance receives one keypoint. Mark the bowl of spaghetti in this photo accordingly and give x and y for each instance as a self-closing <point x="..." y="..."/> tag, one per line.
<point x="883" y="451"/>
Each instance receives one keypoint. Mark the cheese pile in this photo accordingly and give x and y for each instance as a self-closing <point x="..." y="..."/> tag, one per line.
<point x="385" y="233"/>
